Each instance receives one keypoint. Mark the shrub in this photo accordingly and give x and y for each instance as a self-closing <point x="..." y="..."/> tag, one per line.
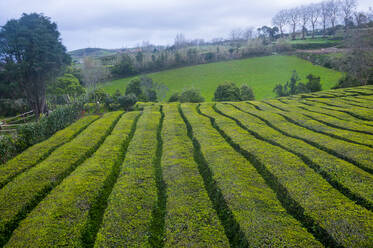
<point x="175" y="97"/>
<point x="191" y="95"/>
<point x="246" y="93"/>
<point x="7" y="148"/>
<point x="34" y="132"/>
<point x="313" y="84"/>
<point x="127" y="101"/>
<point x="227" y="92"/>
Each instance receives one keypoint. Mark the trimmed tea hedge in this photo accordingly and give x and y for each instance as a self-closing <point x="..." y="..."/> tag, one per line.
<point x="20" y="195"/>
<point x="77" y="197"/>
<point x="191" y="220"/>
<point x="333" y="218"/>
<point x="349" y="179"/>
<point x="254" y="206"/>
<point x="358" y="155"/>
<point x="363" y="114"/>
<point x="316" y="126"/>
<point x="128" y="216"/>
<point x="337" y="114"/>
<point x="40" y="151"/>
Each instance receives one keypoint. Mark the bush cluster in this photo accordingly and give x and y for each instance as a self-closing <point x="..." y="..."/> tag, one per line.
<point x="34" y="132"/>
<point x="187" y="95"/>
<point x="294" y="86"/>
<point x="230" y="92"/>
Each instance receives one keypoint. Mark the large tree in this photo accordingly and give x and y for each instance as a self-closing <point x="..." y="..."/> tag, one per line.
<point x="32" y="55"/>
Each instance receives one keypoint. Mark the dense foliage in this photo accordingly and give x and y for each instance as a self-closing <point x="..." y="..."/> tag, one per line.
<point x="230" y="92"/>
<point x="31" y="54"/>
<point x="34" y="132"/>
<point x="294" y="86"/>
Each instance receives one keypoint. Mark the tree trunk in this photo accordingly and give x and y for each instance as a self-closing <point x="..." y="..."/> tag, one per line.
<point x="303" y="32"/>
<point x="293" y="35"/>
<point x="313" y="30"/>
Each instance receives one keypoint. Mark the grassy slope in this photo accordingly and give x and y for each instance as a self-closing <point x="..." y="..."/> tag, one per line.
<point x="261" y="73"/>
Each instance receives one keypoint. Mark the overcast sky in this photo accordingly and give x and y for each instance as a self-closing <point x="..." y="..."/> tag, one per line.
<point x="126" y="23"/>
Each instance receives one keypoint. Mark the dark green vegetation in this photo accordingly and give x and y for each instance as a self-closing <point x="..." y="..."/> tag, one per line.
<point x="31" y="55"/>
<point x="289" y="172"/>
<point x="261" y="74"/>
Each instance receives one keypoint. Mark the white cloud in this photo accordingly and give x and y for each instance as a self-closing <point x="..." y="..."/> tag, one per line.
<point x="118" y="23"/>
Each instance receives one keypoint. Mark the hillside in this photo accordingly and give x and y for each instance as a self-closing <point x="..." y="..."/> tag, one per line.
<point x="288" y="172"/>
<point x="261" y="73"/>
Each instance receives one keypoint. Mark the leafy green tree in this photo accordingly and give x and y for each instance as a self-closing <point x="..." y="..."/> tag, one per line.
<point x="292" y="84"/>
<point x="279" y="90"/>
<point x="175" y="97"/>
<point x="227" y="92"/>
<point x="32" y="55"/>
<point x="134" y="87"/>
<point x="67" y="86"/>
<point x="127" y="101"/>
<point x="124" y="68"/>
<point x="191" y="95"/>
<point x="313" y="84"/>
<point x="246" y="93"/>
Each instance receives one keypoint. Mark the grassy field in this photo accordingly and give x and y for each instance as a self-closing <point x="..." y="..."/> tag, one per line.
<point x="261" y="73"/>
<point x="288" y="172"/>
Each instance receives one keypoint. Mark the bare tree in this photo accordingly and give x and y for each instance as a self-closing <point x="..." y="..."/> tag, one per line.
<point x="294" y="17"/>
<point x="93" y="72"/>
<point x="248" y="33"/>
<point x="180" y="40"/>
<point x="361" y="18"/>
<point x="334" y="7"/>
<point x="315" y="11"/>
<point x="348" y="7"/>
<point x="235" y="34"/>
<point x="305" y="14"/>
<point x="280" y="20"/>
<point x="325" y="15"/>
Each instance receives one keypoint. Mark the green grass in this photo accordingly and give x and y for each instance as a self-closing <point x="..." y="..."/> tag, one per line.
<point x="261" y="73"/>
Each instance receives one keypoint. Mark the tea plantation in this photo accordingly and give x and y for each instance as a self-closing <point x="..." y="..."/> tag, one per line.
<point x="288" y="172"/>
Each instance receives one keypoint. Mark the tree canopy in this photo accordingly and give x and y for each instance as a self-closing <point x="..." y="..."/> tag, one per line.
<point x="32" y="55"/>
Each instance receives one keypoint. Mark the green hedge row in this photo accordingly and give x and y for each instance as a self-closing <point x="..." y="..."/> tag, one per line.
<point x="191" y="220"/>
<point x="40" y="151"/>
<point x="255" y="207"/>
<point x="21" y="195"/>
<point x="332" y="217"/>
<point x="358" y="155"/>
<point x="319" y="127"/>
<point x="338" y="102"/>
<point x="345" y="103"/>
<point x="332" y="121"/>
<point x="349" y="179"/>
<point x="337" y="114"/>
<point x="128" y="217"/>
<point x="366" y="103"/>
<point x="77" y="196"/>
<point x="363" y="114"/>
